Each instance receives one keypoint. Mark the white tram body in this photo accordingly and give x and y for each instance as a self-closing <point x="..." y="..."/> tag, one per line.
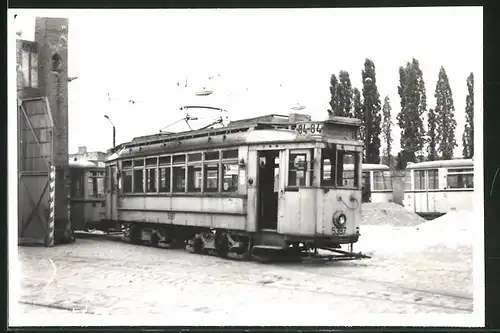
<point x="256" y="184"/>
<point x="377" y="182"/>
<point x="437" y="187"/>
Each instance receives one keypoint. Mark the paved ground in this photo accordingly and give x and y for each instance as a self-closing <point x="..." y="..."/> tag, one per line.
<point x="96" y="277"/>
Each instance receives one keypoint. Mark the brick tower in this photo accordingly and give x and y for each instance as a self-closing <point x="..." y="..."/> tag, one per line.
<point x="51" y="37"/>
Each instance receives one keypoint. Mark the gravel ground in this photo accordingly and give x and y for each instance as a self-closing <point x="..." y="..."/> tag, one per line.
<point x="389" y="213"/>
<point x="96" y="277"/>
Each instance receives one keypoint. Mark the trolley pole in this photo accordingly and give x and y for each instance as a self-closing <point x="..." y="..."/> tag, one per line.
<point x="114" y="130"/>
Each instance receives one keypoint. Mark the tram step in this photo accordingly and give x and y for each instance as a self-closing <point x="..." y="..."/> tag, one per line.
<point x="270" y="239"/>
<point x="268" y="247"/>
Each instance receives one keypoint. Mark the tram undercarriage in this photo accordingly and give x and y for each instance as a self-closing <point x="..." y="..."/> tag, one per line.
<point x="234" y="245"/>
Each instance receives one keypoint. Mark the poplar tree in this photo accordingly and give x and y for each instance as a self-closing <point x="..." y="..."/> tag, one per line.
<point x="345" y="95"/>
<point x="445" y="117"/>
<point x="358" y="112"/>
<point x="431" y="135"/>
<point x="371" y="111"/>
<point x="334" y="98"/>
<point x="413" y="99"/>
<point x="468" y="136"/>
<point x="387" y="129"/>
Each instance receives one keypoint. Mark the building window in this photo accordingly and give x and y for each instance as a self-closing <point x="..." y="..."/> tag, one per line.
<point x="164" y="179"/>
<point x="151" y="180"/>
<point x="179" y="173"/>
<point x="297" y="170"/>
<point x="211" y="178"/>
<point x="127" y="181"/>
<point x="30" y="68"/>
<point x="194" y="178"/>
<point x="139" y="181"/>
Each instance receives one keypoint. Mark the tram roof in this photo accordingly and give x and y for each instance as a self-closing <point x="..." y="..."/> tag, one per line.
<point x="267" y="128"/>
<point x="83" y="164"/>
<point x="367" y="167"/>
<point x="441" y="164"/>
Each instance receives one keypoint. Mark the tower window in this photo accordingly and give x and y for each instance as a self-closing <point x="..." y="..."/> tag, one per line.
<point x="56" y="63"/>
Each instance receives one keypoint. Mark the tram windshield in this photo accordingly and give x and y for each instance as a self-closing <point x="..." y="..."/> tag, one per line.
<point x="382" y="180"/>
<point x="335" y="170"/>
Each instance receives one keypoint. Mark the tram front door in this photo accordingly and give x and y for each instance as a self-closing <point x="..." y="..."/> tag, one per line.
<point x="268" y="189"/>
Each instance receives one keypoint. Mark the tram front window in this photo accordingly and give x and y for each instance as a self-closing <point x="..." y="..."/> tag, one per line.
<point x="340" y="168"/>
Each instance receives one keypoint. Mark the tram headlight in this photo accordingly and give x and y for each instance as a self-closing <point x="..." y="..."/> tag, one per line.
<point x="339" y="219"/>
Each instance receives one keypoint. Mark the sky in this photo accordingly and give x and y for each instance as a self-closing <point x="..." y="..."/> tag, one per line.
<point x="262" y="61"/>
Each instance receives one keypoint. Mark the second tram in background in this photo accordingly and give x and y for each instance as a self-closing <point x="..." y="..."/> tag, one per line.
<point x="435" y="188"/>
<point x="88" y="204"/>
<point x="376" y="184"/>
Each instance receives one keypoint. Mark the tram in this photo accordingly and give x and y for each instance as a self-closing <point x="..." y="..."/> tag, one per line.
<point x="254" y="187"/>
<point x="88" y="201"/>
<point x="377" y="182"/>
<point x="435" y="188"/>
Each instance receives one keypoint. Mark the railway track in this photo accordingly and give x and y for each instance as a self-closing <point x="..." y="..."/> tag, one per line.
<point x="282" y="278"/>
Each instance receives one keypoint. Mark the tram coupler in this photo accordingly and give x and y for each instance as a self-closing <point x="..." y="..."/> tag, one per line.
<point x="340" y="255"/>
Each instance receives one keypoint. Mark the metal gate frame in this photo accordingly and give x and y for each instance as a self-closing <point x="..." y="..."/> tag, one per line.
<point x="36" y="206"/>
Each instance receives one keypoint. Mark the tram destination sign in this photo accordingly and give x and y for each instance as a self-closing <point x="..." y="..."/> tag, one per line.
<point x="309" y="128"/>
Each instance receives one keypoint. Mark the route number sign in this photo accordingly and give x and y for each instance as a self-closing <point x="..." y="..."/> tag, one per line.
<point x="309" y="128"/>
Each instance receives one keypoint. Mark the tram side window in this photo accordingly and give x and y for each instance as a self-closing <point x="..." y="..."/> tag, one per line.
<point x="327" y="167"/>
<point x="230" y="177"/>
<point x="150" y="180"/>
<point x="432" y="179"/>
<point x="230" y="171"/>
<point x="407" y="181"/>
<point x="382" y="180"/>
<point x="211" y="178"/>
<point x="350" y="178"/>
<point x="297" y="170"/>
<point x="179" y="173"/>
<point x="127" y="181"/>
<point x="460" y="178"/>
<point x="77" y="183"/>
<point x="96" y="184"/>
<point x="106" y="179"/>
<point x="419" y="180"/>
<point x="164" y="179"/>
<point x="139" y="181"/>
<point x="194" y="178"/>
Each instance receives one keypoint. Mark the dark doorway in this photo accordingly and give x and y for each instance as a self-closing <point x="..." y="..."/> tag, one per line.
<point x="267" y="200"/>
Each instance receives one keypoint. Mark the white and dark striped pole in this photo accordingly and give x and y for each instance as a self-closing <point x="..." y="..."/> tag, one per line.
<point x="52" y="192"/>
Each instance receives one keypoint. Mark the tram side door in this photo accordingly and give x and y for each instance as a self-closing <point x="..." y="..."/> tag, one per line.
<point x="269" y="189"/>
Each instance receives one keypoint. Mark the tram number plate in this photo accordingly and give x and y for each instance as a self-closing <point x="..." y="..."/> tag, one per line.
<point x="338" y="231"/>
<point x="309" y="128"/>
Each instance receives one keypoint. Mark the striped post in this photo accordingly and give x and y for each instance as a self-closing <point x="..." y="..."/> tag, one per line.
<point x="52" y="192"/>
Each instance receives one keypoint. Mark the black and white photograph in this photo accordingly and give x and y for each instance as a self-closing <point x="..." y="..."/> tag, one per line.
<point x="246" y="167"/>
